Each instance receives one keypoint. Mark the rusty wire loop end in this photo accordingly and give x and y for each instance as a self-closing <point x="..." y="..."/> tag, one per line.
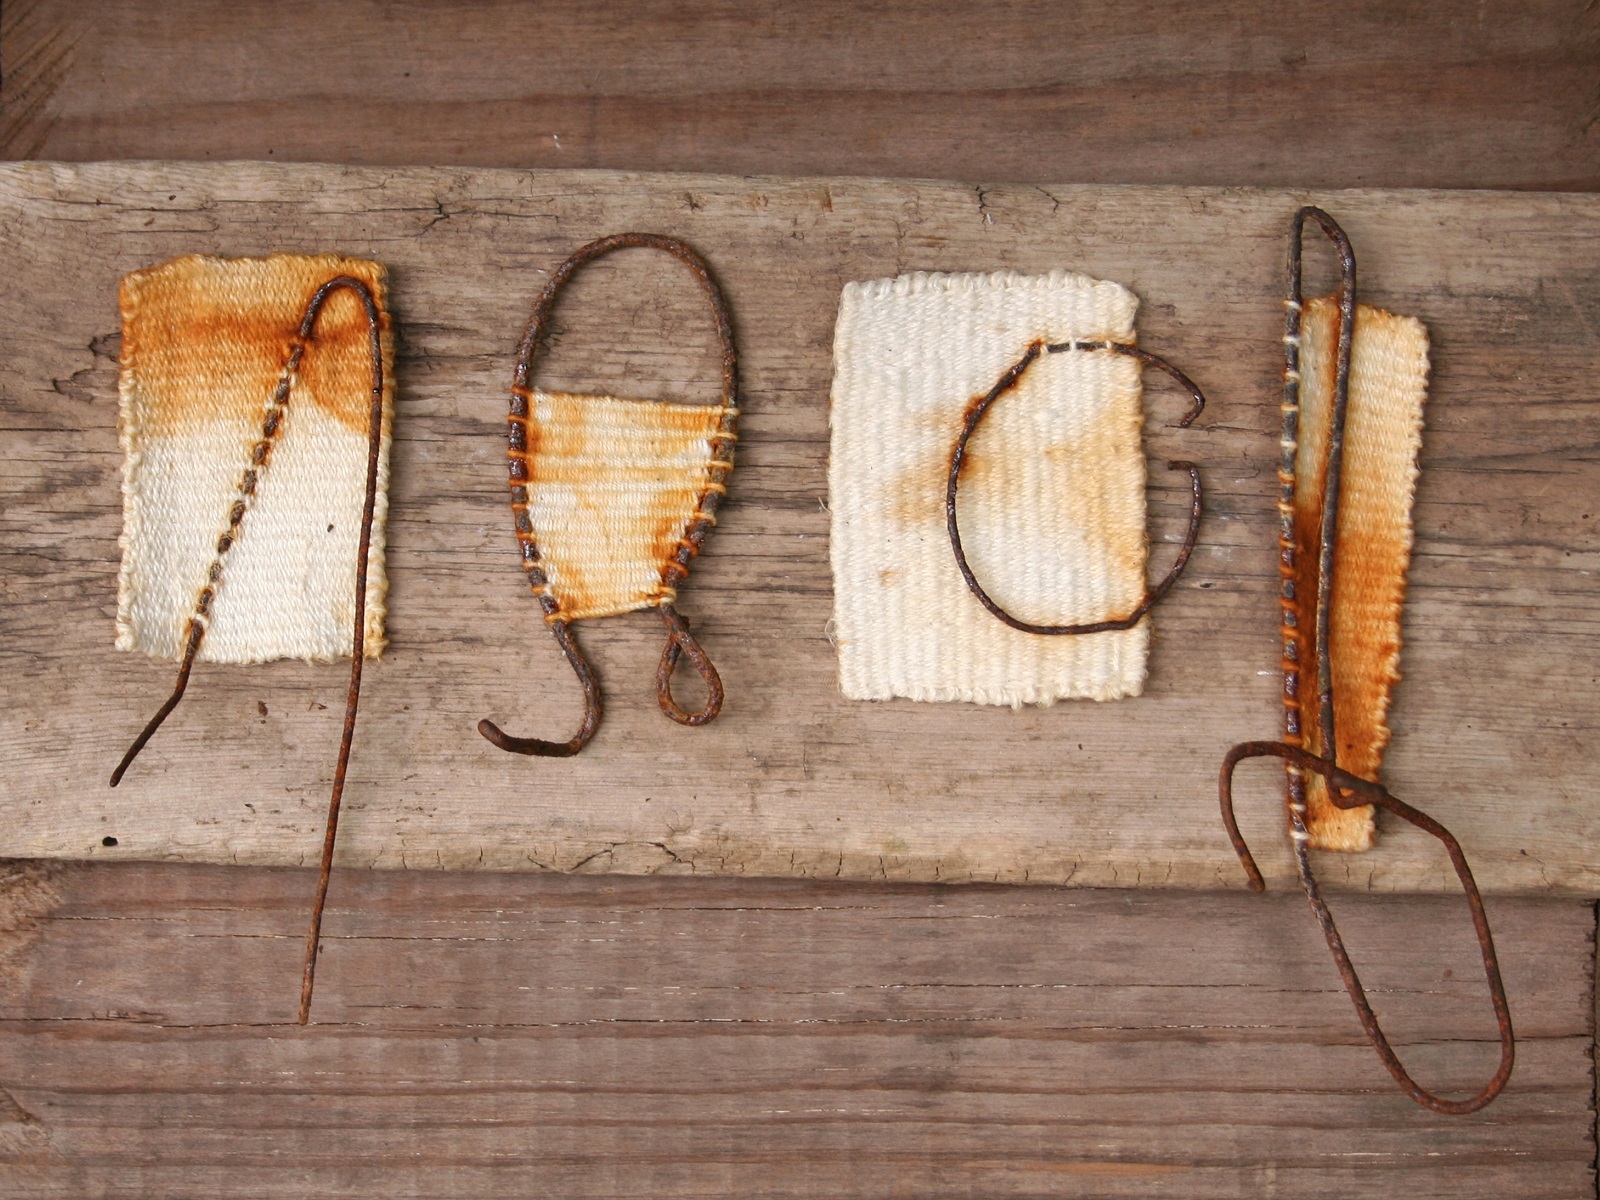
<point x="974" y="416"/>
<point x="1344" y="789"/>
<point x="680" y="641"/>
<point x="1351" y="791"/>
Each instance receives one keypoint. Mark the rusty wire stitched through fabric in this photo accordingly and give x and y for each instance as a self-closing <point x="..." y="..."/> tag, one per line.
<point x="1345" y="790"/>
<point x="974" y="417"/>
<point x="612" y="499"/>
<point x="235" y="527"/>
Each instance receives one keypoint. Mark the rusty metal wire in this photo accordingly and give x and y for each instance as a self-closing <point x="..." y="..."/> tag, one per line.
<point x="260" y="456"/>
<point x="974" y="416"/>
<point x="1344" y="789"/>
<point x="680" y="642"/>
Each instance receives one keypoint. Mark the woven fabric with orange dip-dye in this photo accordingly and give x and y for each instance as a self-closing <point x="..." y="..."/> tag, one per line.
<point x="1383" y="435"/>
<point x="613" y="488"/>
<point x="206" y="343"/>
<point x="1052" y="502"/>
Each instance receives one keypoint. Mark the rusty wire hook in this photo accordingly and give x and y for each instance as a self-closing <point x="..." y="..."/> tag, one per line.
<point x="260" y="456"/>
<point x="975" y="415"/>
<point x="680" y="641"/>
<point x="1344" y="789"/>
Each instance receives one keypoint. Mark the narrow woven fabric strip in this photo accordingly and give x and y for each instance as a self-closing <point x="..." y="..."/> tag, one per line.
<point x="1052" y="502"/>
<point x="205" y="342"/>
<point x="613" y="487"/>
<point x="1383" y="436"/>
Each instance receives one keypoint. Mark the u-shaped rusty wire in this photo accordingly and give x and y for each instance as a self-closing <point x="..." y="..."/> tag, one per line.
<point x="1344" y="789"/>
<point x="260" y="457"/>
<point x="974" y="416"/>
<point x="681" y="642"/>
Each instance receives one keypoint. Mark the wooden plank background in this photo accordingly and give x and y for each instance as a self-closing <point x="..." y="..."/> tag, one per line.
<point x="692" y="1037"/>
<point x="1325" y="94"/>
<point x="792" y="779"/>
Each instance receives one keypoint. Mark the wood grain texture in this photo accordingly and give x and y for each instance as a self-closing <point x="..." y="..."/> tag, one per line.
<point x="1501" y="93"/>
<point x="498" y="1036"/>
<point x="1493" y="724"/>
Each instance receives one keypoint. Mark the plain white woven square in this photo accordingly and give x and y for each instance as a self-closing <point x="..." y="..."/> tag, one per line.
<point x="1052" y="503"/>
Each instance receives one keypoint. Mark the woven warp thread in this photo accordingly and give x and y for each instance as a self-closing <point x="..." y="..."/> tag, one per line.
<point x="1383" y="436"/>
<point x="1052" y="497"/>
<point x="614" y="485"/>
<point x="205" y="341"/>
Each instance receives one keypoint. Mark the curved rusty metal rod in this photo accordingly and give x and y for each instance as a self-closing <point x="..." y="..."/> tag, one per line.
<point x="676" y="568"/>
<point x="593" y="703"/>
<point x="260" y="453"/>
<point x="1328" y="535"/>
<point x="1350" y="791"/>
<point x="196" y="631"/>
<point x="358" y="639"/>
<point x="975" y="415"/>
<point x="1344" y="789"/>
<point x="680" y="642"/>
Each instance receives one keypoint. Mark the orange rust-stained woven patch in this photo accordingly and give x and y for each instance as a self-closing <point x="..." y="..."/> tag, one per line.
<point x="208" y="357"/>
<point x="1383" y="435"/>
<point x="614" y="485"/>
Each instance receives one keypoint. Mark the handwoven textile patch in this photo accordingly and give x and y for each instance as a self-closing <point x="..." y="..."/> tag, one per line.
<point x="1383" y="436"/>
<point x="613" y="487"/>
<point x="1052" y="500"/>
<point x="208" y="346"/>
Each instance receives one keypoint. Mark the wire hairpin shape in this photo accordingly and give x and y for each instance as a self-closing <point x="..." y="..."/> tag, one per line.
<point x="974" y="417"/>
<point x="1345" y="790"/>
<point x="237" y="527"/>
<point x="658" y="473"/>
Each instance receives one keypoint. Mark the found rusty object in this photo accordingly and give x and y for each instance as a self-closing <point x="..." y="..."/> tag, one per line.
<point x="528" y="429"/>
<point x="260" y="458"/>
<point x="975" y="414"/>
<point x="1345" y="790"/>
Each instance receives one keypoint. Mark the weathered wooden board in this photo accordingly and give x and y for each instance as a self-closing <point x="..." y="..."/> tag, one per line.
<point x="495" y="1036"/>
<point x="1321" y="93"/>
<point x="1494" y="722"/>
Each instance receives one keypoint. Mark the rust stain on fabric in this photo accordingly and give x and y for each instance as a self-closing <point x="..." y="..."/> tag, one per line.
<point x="210" y="344"/>
<point x="613" y="486"/>
<point x="1374" y="549"/>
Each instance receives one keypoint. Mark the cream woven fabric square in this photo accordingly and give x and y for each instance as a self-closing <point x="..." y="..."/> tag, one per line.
<point x="205" y="342"/>
<point x="1052" y="502"/>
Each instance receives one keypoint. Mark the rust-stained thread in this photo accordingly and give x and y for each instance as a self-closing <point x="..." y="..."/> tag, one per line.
<point x="975" y="415"/>
<point x="680" y="642"/>
<point x="1344" y="789"/>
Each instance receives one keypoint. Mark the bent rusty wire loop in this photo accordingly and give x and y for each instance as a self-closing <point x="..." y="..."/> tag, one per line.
<point x="680" y="641"/>
<point x="1351" y="791"/>
<point x="1344" y="789"/>
<point x="975" y="415"/>
<point x="260" y="456"/>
